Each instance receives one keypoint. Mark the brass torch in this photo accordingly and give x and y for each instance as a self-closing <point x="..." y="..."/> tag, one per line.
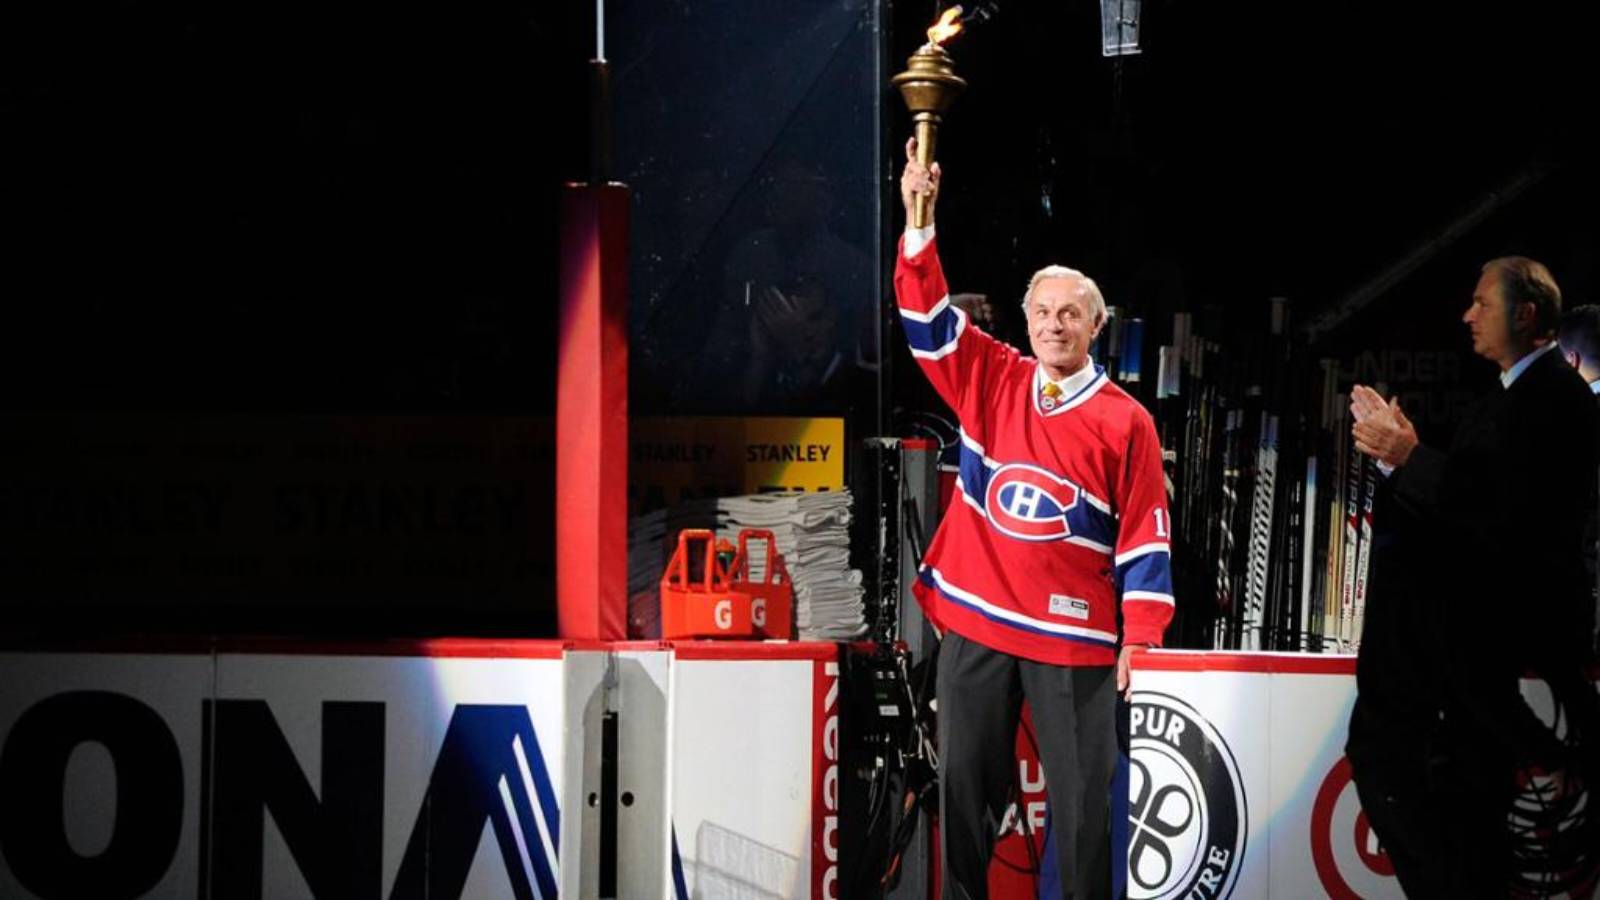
<point x="929" y="86"/>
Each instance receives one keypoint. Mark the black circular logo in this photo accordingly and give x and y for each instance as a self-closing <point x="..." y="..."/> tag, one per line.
<point x="1187" y="817"/>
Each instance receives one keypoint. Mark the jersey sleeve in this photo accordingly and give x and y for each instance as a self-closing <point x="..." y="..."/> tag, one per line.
<point x="956" y="357"/>
<point x="1144" y="538"/>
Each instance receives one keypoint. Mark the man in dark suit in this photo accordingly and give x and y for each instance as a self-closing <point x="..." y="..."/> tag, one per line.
<point x="1479" y="579"/>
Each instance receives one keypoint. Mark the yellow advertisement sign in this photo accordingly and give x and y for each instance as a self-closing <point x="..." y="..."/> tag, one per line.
<point x="673" y="459"/>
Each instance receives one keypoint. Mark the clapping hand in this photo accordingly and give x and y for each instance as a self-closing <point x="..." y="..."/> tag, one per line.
<point x="1381" y="429"/>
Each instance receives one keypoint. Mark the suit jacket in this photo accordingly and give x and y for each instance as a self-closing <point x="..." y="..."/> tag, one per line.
<point x="1478" y="573"/>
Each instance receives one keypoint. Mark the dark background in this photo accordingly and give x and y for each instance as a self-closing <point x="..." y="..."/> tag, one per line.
<point x="302" y="207"/>
<point x="1292" y="150"/>
<point x="350" y="208"/>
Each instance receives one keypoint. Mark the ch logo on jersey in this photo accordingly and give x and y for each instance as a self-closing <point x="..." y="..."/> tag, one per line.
<point x="1029" y="503"/>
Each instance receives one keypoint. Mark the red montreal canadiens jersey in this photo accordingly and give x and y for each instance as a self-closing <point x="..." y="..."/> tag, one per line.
<point x="1059" y="512"/>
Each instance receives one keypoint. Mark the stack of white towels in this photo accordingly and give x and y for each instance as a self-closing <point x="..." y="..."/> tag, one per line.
<point x="812" y="531"/>
<point x="813" y="535"/>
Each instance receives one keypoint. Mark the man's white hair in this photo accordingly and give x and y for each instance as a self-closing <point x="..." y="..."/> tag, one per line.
<point x="1097" y="301"/>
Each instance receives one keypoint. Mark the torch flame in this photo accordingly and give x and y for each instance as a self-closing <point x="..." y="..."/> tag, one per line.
<point x="948" y="26"/>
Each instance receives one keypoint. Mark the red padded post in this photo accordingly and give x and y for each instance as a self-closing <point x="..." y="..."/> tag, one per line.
<point x="592" y="415"/>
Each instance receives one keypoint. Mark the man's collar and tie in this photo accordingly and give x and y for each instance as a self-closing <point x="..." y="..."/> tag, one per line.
<point x="1054" y="393"/>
